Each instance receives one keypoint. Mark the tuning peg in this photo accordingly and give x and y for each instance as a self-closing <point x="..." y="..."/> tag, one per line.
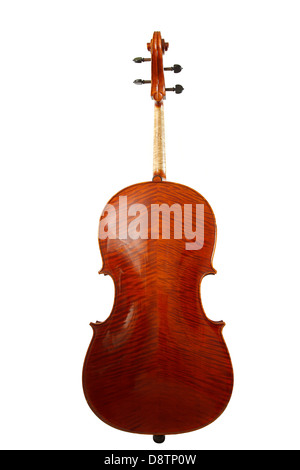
<point x="139" y="60"/>
<point x="139" y="81"/>
<point x="176" y="68"/>
<point x="178" y="89"/>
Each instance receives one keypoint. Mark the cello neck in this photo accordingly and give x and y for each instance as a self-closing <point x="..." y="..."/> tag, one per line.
<point x="159" y="151"/>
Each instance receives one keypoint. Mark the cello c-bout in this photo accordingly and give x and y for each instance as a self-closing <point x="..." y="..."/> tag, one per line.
<point x="157" y="365"/>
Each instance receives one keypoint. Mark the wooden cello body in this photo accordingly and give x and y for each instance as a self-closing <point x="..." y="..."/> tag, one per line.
<point x="157" y="365"/>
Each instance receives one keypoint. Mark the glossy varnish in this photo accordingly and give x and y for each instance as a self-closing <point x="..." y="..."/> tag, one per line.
<point x="157" y="364"/>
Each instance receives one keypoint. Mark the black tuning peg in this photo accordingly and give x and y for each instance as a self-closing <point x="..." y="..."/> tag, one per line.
<point x="178" y="89"/>
<point x="176" y="68"/>
<point x="139" y="81"/>
<point x="139" y="60"/>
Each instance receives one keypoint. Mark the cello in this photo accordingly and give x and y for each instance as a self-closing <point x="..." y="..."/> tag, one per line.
<point x="157" y="365"/>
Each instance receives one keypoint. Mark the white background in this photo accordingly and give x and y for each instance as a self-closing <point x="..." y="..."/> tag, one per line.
<point x="75" y="130"/>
